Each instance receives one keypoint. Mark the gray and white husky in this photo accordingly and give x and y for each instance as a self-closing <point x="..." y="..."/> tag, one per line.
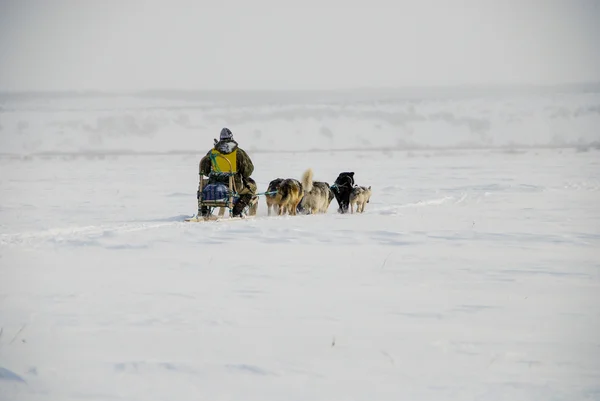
<point x="317" y="195"/>
<point x="359" y="196"/>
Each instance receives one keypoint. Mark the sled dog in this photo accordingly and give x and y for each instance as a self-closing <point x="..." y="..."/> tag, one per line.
<point x="359" y="196"/>
<point x="342" y="187"/>
<point x="317" y="195"/>
<point x="289" y="193"/>
<point x="271" y="198"/>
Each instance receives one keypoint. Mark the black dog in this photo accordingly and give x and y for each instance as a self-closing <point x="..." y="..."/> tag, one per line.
<point x="342" y="187"/>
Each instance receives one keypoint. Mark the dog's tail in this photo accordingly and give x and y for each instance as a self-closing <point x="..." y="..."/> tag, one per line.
<point x="307" y="180"/>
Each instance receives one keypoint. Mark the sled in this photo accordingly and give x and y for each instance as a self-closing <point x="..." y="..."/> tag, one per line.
<point x="202" y="219"/>
<point x="221" y="193"/>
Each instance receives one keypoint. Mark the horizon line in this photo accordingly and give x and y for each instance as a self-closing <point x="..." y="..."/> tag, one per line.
<point x="589" y="146"/>
<point x="159" y="90"/>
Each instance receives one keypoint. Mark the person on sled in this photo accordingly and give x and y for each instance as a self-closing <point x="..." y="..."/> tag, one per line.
<point x="245" y="186"/>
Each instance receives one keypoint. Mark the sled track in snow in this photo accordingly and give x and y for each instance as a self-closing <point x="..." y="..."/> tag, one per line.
<point x="91" y="233"/>
<point x="84" y="235"/>
<point x="66" y="234"/>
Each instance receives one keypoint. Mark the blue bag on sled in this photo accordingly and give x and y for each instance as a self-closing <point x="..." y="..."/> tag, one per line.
<point x="215" y="192"/>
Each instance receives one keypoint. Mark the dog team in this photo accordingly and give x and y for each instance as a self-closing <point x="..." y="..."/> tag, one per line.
<point x="284" y="195"/>
<point x="306" y="196"/>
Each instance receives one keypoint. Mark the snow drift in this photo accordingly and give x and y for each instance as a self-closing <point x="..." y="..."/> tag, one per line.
<point x="166" y="122"/>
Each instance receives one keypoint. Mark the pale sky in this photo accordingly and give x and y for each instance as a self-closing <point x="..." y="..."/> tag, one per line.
<point x="259" y="44"/>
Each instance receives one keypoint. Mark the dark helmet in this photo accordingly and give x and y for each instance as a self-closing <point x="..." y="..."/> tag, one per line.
<point x="225" y="134"/>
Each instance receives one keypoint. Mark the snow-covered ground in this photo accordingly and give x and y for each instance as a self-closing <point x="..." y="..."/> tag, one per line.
<point x="472" y="275"/>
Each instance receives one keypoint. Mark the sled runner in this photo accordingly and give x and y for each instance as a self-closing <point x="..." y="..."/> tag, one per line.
<point x="219" y="191"/>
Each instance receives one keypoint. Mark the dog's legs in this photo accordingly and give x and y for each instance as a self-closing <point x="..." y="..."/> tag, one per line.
<point x="352" y="208"/>
<point x="294" y="208"/>
<point x="253" y="207"/>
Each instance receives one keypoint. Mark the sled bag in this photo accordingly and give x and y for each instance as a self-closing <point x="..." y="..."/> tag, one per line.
<point x="215" y="192"/>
